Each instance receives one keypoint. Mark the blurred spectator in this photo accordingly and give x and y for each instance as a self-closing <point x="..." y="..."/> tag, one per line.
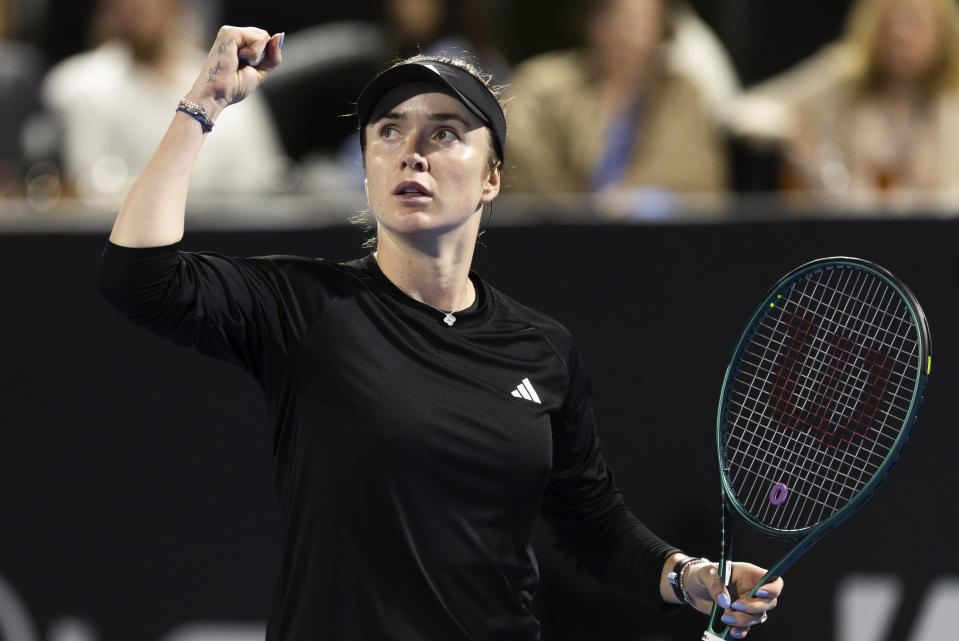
<point x="884" y="128"/>
<point x="28" y="139"/>
<point x="463" y="29"/>
<point x="145" y="61"/>
<point x="413" y="24"/>
<point x="613" y="118"/>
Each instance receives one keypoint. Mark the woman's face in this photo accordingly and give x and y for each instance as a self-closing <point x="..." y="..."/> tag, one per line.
<point x="427" y="162"/>
<point x="909" y="40"/>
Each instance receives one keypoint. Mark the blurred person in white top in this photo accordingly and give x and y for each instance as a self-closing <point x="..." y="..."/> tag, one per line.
<point x="145" y="58"/>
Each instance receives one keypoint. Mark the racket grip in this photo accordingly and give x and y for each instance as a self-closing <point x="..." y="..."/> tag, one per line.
<point x="710" y="634"/>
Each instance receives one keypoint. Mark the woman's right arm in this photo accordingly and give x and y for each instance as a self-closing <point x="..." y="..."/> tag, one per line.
<point x="153" y="212"/>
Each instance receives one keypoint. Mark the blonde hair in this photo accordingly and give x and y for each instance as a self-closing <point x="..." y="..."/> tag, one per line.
<point x="860" y="43"/>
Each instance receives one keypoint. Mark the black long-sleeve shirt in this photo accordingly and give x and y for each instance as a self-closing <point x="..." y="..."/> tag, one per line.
<point x="411" y="458"/>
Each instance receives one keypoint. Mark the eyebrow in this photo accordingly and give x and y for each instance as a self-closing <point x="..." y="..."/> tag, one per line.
<point x="436" y="117"/>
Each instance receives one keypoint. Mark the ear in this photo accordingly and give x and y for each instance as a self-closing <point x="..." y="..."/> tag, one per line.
<point x="491" y="185"/>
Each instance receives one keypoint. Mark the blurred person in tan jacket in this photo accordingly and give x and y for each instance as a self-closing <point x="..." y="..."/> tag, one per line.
<point x="612" y="118"/>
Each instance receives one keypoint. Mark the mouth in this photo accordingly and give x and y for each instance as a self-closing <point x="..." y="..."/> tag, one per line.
<point x="411" y="189"/>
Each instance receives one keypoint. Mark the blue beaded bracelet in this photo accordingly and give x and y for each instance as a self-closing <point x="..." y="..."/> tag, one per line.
<point x="196" y="117"/>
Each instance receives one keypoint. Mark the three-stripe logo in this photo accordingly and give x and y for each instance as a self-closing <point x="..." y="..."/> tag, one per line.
<point x="525" y="390"/>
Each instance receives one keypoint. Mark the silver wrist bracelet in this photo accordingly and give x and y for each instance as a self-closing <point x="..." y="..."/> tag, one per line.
<point x="196" y="112"/>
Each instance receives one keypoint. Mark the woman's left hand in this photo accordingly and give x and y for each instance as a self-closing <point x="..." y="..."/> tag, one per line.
<point x="705" y="588"/>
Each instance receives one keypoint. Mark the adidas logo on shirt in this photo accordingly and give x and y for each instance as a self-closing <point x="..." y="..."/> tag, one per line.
<point x="525" y="390"/>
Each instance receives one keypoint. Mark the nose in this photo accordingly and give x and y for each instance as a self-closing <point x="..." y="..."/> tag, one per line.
<point x="414" y="156"/>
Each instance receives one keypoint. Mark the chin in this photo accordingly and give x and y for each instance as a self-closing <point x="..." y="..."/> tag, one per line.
<point x="410" y="222"/>
<point x="420" y="225"/>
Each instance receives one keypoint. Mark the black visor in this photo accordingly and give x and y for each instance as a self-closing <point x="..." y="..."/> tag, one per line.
<point x="463" y="85"/>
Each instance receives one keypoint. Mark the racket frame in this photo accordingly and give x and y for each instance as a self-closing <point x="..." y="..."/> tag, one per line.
<point x="808" y="536"/>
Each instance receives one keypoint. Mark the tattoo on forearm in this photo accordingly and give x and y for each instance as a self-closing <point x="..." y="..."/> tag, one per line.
<point x="221" y="49"/>
<point x="211" y="76"/>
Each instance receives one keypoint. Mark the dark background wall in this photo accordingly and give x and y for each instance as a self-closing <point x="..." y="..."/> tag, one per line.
<point x="135" y="477"/>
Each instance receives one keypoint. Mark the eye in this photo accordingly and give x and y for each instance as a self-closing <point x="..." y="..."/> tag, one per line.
<point x="446" y="135"/>
<point x="389" y="132"/>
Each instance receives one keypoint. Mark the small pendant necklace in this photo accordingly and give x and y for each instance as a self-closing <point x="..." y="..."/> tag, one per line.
<point x="448" y="317"/>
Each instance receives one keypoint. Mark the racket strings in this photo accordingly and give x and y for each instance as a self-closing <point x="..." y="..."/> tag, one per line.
<point x="818" y="396"/>
<point x="802" y="396"/>
<point x="822" y="486"/>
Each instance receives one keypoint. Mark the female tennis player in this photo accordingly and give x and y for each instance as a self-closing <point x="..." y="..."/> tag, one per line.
<point x="422" y="420"/>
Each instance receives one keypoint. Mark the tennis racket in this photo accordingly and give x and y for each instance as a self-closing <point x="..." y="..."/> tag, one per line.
<point x="817" y="403"/>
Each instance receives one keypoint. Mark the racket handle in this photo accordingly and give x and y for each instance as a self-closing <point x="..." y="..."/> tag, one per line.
<point x="710" y="634"/>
